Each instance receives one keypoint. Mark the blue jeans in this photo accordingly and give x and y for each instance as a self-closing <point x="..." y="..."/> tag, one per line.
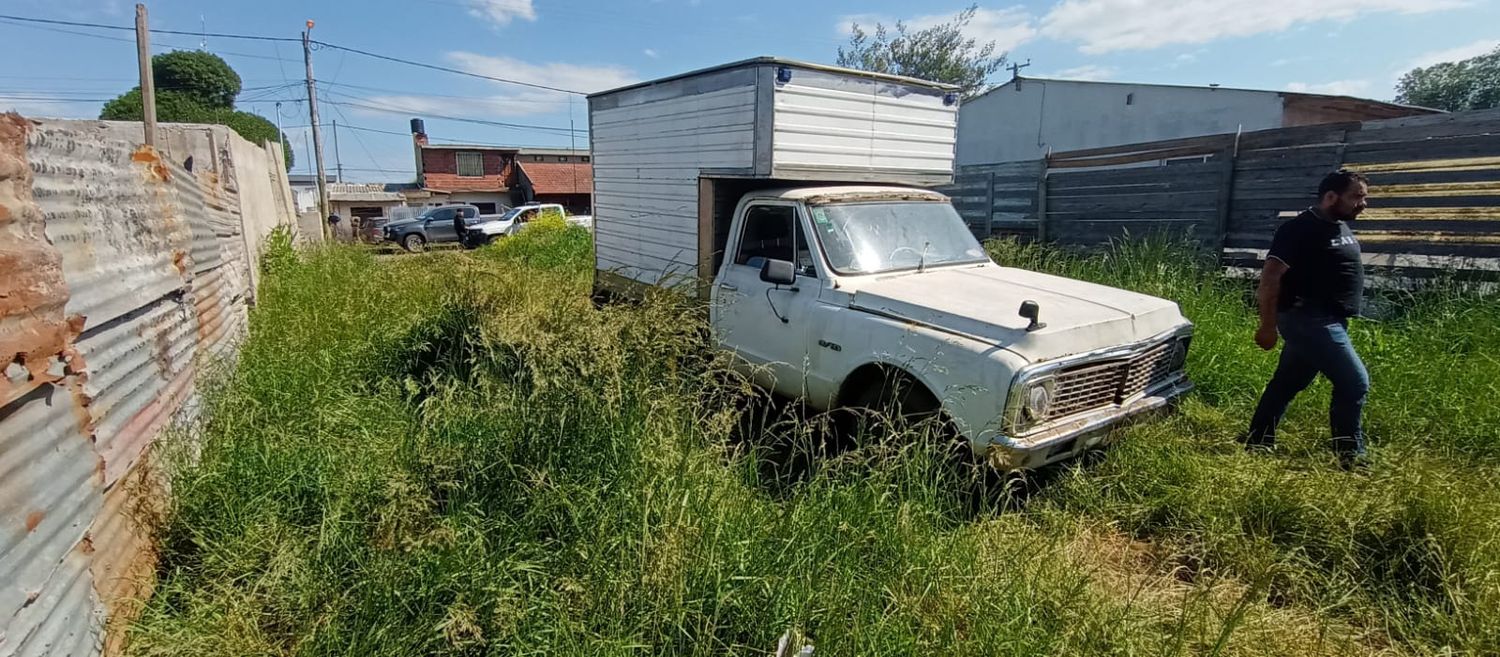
<point x="1313" y="343"/>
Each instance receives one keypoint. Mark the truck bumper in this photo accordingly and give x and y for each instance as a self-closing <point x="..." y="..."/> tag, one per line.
<point x="1072" y="437"/>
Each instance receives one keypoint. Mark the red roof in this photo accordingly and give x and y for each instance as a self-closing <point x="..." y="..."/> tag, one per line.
<point x="560" y="177"/>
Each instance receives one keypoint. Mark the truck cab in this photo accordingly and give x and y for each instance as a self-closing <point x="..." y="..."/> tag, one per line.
<point x="795" y="199"/>
<point x="825" y="292"/>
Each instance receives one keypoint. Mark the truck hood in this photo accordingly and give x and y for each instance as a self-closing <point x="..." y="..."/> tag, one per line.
<point x="497" y="227"/>
<point x="983" y="302"/>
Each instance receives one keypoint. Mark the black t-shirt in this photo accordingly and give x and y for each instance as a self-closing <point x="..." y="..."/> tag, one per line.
<point x="1325" y="273"/>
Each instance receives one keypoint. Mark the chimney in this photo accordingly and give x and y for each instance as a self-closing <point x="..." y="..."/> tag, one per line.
<point x="418" y="142"/>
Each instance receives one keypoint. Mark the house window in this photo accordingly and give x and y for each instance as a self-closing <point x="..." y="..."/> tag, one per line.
<point x="470" y="165"/>
<point x="585" y="158"/>
<point x="562" y="158"/>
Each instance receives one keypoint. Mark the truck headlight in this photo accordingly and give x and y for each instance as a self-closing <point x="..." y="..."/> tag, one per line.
<point x="1038" y="400"/>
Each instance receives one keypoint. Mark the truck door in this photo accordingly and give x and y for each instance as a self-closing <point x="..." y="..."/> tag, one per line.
<point x="440" y="226"/>
<point x="763" y="323"/>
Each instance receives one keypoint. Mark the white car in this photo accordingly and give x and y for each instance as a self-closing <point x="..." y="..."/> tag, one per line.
<point x="514" y="220"/>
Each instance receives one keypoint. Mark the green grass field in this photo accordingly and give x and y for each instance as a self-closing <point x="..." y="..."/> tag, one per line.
<point x="458" y="454"/>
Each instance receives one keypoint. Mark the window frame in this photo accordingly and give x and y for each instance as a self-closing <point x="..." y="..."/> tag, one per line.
<point x="458" y="163"/>
<point x="799" y="232"/>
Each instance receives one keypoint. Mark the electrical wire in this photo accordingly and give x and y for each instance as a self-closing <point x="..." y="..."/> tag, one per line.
<point x="250" y="37"/>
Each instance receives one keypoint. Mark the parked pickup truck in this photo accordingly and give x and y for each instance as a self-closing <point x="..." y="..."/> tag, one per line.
<point x="512" y="221"/>
<point x="791" y="197"/>
<point x="432" y="226"/>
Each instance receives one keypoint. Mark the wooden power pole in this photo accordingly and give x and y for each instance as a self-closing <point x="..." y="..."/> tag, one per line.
<point x="317" y="133"/>
<point x="148" y="81"/>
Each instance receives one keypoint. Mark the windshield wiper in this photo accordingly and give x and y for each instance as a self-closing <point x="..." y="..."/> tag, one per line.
<point x="922" y="259"/>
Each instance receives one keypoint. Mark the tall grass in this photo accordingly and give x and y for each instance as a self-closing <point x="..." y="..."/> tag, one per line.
<point x="459" y="454"/>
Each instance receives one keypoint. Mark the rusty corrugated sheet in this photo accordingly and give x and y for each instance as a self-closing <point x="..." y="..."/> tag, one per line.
<point x="220" y="273"/>
<point x="124" y="274"/>
<point x="33" y="327"/>
<point x="50" y="484"/>
<point x="112" y="226"/>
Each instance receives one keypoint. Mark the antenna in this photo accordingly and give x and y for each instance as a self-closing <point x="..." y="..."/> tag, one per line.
<point x="1015" y="72"/>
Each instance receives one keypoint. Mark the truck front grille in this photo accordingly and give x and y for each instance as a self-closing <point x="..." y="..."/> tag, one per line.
<point x="1093" y="386"/>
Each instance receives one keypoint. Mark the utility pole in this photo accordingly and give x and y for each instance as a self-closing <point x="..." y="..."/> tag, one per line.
<point x="317" y="133"/>
<point x="338" y="162"/>
<point x="148" y="81"/>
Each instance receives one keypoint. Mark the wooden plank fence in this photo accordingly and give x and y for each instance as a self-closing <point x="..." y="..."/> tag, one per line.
<point x="1435" y="190"/>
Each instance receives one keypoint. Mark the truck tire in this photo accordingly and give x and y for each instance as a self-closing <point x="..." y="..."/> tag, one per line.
<point x="414" y="243"/>
<point x="898" y="396"/>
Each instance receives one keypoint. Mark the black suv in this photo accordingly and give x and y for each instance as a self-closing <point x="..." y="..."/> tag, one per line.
<point x="434" y="225"/>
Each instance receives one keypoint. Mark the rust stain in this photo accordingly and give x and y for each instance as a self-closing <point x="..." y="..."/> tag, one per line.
<point x="179" y="260"/>
<point x="32" y="290"/>
<point x="147" y="155"/>
<point x="34" y="519"/>
<point x="86" y="545"/>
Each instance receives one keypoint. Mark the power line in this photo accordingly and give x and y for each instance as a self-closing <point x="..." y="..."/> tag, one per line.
<point x="446" y="69"/>
<point x="322" y="44"/>
<point x="436" y="95"/>
<point x="390" y="109"/>
<point x="357" y="138"/>
<point x="102" y="26"/>
<point x="9" y="20"/>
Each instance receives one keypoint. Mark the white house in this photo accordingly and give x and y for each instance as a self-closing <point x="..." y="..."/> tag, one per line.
<point x="1027" y="117"/>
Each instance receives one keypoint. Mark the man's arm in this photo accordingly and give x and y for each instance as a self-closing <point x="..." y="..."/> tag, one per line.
<point x="1267" y="295"/>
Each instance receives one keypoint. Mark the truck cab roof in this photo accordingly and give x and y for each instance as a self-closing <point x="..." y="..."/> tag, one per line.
<point x="846" y="194"/>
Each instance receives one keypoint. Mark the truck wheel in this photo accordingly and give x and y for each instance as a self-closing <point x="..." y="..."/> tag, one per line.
<point x="414" y="243"/>
<point x="899" y="396"/>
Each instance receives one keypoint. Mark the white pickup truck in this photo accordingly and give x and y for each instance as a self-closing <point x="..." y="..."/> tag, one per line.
<point x="765" y="186"/>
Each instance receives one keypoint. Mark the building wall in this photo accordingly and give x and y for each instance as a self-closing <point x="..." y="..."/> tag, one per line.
<point x="440" y="170"/>
<point x="1011" y="124"/>
<point x="501" y="199"/>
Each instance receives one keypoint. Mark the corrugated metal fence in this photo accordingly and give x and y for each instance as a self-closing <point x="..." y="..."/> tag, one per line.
<point x="1435" y="191"/>
<point x="122" y="275"/>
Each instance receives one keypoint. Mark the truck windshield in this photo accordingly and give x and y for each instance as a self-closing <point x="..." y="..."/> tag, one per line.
<point x="872" y="238"/>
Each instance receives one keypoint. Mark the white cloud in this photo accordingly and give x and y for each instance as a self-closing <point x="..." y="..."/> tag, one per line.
<point x="1102" y="26"/>
<point x="1335" y="88"/>
<point x="1085" y="72"/>
<point x="650" y="53"/>
<point x="1459" y="53"/>
<point x="573" y="77"/>
<point x="502" y="12"/>
<point x="513" y="100"/>
<point x="1008" y="28"/>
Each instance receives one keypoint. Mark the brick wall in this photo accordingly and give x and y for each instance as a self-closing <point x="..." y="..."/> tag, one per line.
<point x="440" y="171"/>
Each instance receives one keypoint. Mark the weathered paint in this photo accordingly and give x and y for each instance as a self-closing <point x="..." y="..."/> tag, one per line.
<point x="33" y="328"/>
<point x="124" y="273"/>
<point x="50" y="487"/>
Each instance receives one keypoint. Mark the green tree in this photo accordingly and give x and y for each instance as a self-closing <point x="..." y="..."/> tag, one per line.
<point x="940" y="53"/>
<point x="1470" y="84"/>
<point x="196" y="87"/>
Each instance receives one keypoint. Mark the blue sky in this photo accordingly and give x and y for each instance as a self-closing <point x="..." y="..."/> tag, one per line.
<point x="1357" y="47"/>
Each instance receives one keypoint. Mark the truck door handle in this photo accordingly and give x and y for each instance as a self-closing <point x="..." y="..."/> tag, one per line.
<point x="728" y="287"/>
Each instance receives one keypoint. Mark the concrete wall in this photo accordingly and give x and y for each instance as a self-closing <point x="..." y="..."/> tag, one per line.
<point x="1011" y="124"/>
<point x="123" y="275"/>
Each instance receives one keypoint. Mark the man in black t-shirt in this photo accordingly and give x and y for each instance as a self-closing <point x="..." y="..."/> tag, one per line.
<point x="1312" y="284"/>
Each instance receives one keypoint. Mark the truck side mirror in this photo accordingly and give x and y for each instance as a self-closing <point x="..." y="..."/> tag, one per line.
<point x="778" y="272"/>
<point x="1032" y="311"/>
